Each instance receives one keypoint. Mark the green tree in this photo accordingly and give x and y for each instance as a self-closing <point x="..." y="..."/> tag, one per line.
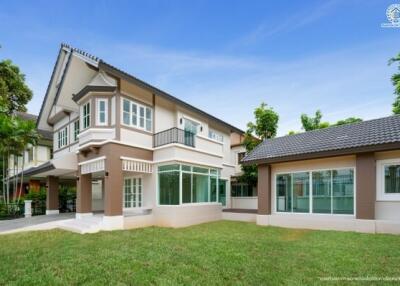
<point x="312" y="123"/>
<point x="14" y="92"/>
<point x="348" y="121"/>
<point x="264" y="127"/>
<point x="15" y="134"/>
<point x="396" y="84"/>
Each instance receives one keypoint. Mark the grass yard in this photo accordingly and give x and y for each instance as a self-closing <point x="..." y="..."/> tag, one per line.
<point x="213" y="253"/>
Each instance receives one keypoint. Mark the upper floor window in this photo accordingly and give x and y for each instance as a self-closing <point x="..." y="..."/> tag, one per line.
<point x="76" y="130"/>
<point x="102" y="111"/>
<point x="212" y="134"/>
<point x="63" y="137"/>
<point x="86" y="115"/>
<point x="137" y="115"/>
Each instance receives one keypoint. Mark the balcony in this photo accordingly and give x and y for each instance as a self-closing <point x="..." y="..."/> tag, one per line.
<point x="174" y="135"/>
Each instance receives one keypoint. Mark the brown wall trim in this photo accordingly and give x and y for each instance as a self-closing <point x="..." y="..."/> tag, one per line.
<point x="264" y="189"/>
<point x="365" y="186"/>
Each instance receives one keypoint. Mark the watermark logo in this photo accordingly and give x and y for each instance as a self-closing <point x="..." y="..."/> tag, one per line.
<point x="393" y="16"/>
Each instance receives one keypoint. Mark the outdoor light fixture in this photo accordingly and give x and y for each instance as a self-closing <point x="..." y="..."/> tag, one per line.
<point x="180" y="121"/>
<point x="106" y="174"/>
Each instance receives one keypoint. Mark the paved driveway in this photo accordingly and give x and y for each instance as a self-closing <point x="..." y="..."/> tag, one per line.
<point x="33" y="223"/>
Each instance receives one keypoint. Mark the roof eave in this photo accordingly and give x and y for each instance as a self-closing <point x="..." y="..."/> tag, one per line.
<point x="325" y="154"/>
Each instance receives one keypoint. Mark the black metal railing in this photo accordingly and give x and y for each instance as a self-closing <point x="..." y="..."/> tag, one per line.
<point x="174" y="135"/>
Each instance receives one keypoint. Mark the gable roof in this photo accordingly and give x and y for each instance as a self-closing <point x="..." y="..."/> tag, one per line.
<point x="372" y="135"/>
<point x="102" y="65"/>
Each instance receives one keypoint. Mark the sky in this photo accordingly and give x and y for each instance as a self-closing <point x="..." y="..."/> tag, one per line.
<point x="224" y="57"/>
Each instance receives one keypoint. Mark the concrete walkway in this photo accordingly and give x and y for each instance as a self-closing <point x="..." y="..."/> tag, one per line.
<point x="41" y="222"/>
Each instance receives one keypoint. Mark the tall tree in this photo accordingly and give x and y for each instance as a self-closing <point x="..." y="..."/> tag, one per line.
<point x="265" y="126"/>
<point x="312" y="123"/>
<point x="396" y="84"/>
<point x="15" y="133"/>
<point x="13" y="89"/>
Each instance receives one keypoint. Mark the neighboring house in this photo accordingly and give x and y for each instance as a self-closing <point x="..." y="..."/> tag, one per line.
<point x="34" y="156"/>
<point x="344" y="178"/>
<point x="243" y="196"/>
<point x="137" y="153"/>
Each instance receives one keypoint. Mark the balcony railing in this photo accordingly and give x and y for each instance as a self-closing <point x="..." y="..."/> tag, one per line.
<point x="174" y="135"/>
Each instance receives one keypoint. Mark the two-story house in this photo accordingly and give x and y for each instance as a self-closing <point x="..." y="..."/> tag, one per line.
<point x="137" y="153"/>
<point x="32" y="157"/>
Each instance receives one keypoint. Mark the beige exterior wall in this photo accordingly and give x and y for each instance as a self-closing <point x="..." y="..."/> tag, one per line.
<point x="185" y="215"/>
<point x="386" y="210"/>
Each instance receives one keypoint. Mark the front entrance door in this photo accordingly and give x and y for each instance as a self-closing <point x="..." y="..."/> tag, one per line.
<point x="133" y="192"/>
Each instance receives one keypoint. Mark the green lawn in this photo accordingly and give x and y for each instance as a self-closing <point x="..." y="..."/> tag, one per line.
<point x="214" y="253"/>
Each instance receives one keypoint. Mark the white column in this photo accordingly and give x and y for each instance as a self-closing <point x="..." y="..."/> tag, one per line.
<point x="28" y="208"/>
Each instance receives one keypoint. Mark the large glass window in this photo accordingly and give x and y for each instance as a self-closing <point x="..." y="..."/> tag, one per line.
<point x="199" y="184"/>
<point x="342" y="191"/>
<point x="137" y="115"/>
<point x="332" y="192"/>
<point x="301" y="192"/>
<point x="168" y="186"/>
<point x="322" y="192"/>
<point x="392" y="179"/>
<point x="284" y="193"/>
<point x="222" y="192"/>
<point x="200" y="188"/>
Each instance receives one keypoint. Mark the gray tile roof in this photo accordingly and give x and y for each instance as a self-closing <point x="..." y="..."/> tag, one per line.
<point x="376" y="132"/>
<point x="26" y="116"/>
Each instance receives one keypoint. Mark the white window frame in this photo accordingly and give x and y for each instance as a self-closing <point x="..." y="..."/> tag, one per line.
<point x="380" y="180"/>
<point x="215" y="135"/>
<point x="138" y="117"/>
<point x="136" y="193"/>
<point x="62" y="137"/>
<point x="98" y="101"/>
<point x="88" y="115"/>
<point x="273" y="193"/>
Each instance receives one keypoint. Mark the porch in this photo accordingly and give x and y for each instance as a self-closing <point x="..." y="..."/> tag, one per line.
<point x="111" y="191"/>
